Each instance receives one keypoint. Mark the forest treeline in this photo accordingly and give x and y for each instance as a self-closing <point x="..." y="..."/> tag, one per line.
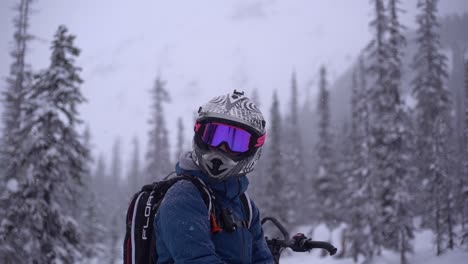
<point x="396" y="164"/>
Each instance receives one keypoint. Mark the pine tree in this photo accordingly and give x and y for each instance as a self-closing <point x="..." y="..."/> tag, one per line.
<point x="433" y="103"/>
<point x="377" y="56"/>
<point x="276" y="189"/>
<point x="157" y="157"/>
<point x="83" y="192"/>
<point x="344" y="152"/>
<point x="357" y="181"/>
<point x="325" y="182"/>
<point x="293" y="158"/>
<point x="106" y="205"/>
<point x="180" y="138"/>
<point x="90" y="220"/>
<point x="13" y="98"/>
<point x="441" y="212"/>
<point x="11" y="174"/>
<point x="116" y="203"/>
<point x="401" y="148"/>
<point x="100" y="174"/>
<point x="100" y="179"/>
<point x="457" y="140"/>
<point x="430" y="65"/>
<point x="464" y="184"/>
<point x="134" y="175"/>
<point x="116" y="166"/>
<point x="389" y="134"/>
<point x="54" y="161"/>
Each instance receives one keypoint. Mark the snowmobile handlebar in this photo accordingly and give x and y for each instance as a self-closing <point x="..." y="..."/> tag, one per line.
<point x="300" y="243"/>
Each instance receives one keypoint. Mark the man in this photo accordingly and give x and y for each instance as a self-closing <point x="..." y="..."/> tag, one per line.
<point x="229" y="135"/>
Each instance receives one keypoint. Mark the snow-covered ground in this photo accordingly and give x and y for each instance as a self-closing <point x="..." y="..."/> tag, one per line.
<point x="424" y="252"/>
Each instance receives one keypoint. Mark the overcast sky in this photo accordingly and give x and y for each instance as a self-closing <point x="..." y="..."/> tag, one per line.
<point x="201" y="48"/>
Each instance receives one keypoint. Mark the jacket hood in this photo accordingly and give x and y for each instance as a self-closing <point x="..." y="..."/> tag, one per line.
<point x="229" y="188"/>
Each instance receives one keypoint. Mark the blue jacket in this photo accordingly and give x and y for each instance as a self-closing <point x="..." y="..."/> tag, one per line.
<point x="183" y="231"/>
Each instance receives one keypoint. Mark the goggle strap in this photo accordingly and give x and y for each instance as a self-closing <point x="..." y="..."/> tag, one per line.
<point x="260" y="141"/>
<point x="197" y="126"/>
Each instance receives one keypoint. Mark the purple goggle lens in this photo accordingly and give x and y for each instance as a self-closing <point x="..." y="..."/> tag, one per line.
<point x="237" y="139"/>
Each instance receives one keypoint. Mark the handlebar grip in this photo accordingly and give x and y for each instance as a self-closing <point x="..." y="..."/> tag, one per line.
<point x="319" y="244"/>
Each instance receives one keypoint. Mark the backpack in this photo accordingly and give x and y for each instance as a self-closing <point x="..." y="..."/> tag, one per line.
<point x="140" y="244"/>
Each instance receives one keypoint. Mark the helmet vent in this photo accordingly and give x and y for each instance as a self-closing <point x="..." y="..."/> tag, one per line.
<point x="237" y="93"/>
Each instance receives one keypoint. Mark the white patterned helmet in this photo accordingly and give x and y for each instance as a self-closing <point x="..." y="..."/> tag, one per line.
<point x="229" y="135"/>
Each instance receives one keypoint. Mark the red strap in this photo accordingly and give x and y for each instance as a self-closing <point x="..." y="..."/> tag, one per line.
<point x="129" y="250"/>
<point x="214" y="225"/>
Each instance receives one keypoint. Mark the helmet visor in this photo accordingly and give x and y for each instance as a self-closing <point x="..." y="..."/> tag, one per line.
<point x="237" y="139"/>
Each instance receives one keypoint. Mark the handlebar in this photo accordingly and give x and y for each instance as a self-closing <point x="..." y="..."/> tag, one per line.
<point x="300" y="243"/>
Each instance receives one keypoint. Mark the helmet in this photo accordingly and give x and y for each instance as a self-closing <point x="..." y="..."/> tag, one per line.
<point x="229" y="135"/>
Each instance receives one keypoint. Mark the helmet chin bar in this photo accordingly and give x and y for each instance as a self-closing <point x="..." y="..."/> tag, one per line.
<point x="219" y="165"/>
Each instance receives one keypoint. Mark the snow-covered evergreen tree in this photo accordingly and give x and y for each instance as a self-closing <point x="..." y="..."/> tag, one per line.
<point x="100" y="180"/>
<point x="18" y="82"/>
<point x="389" y="135"/>
<point x="309" y="112"/>
<point x="116" y="203"/>
<point x="325" y="182"/>
<point x="400" y="220"/>
<point x="116" y="165"/>
<point x="457" y="140"/>
<point x="103" y="207"/>
<point x="54" y="164"/>
<point x="100" y="175"/>
<point x="344" y="152"/>
<point x="359" y="239"/>
<point x="428" y="86"/>
<point x="102" y="183"/>
<point x="277" y="191"/>
<point x="90" y="215"/>
<point x="83" y="192"/>
<point x="157" y="157"/>
<point x="293" y="157"/>
<point x="378" y="55"/>
<point x="135" y="181"/>
<point x="441" y="216"/>
<point x="433" y="103"/>
<point x="89" y="146"/>
<point x="180" y="138"/>
<point x="464" y="194"/>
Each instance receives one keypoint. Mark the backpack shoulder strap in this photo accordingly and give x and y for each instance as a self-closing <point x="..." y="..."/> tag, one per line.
<point x="205" y="192"/>
<point x="245" y="199"/>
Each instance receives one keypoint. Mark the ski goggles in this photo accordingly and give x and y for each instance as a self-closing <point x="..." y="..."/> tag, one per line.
<point x="236" y="138"/>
